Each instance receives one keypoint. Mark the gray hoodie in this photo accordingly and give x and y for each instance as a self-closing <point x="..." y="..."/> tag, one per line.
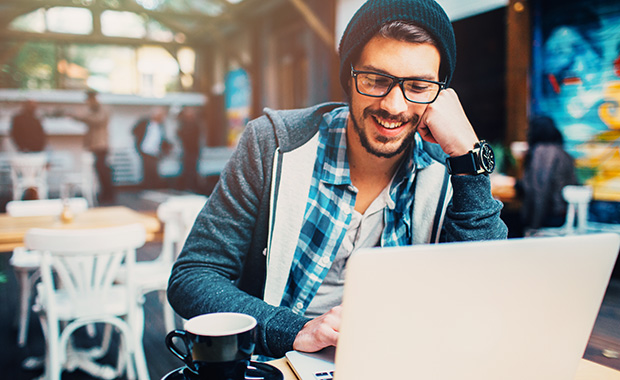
<point x="237" y="256"/>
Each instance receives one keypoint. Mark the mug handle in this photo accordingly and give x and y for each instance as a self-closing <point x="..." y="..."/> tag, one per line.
<point x="181" y="334"/>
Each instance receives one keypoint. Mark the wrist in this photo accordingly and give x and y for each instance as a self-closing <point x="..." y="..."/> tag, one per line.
<point x="479" y="160"/>
<point x="464" y="148"/>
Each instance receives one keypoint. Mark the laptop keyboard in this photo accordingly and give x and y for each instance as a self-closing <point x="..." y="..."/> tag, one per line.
<point x="324" y="375"/>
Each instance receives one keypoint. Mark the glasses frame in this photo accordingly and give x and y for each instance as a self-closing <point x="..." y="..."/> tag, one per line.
<point x="395" y="80"/>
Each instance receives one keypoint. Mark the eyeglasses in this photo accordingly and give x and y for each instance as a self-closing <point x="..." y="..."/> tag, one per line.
<point x="421" y="91"/>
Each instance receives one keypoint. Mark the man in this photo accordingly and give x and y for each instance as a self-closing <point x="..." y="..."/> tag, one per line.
<point x="27" y="131"/>
<point x="97" y="117"/>
<point x="151" y="143"/>
<point x="306" y="188"/>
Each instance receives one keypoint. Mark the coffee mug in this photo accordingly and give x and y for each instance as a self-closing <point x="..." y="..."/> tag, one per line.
<point x="218" y="346"/>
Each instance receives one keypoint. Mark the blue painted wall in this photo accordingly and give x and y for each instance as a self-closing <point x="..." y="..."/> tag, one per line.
<point x="576" y="80"/>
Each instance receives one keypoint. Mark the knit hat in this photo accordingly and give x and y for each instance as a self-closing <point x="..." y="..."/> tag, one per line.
<point x="367" y="21"/>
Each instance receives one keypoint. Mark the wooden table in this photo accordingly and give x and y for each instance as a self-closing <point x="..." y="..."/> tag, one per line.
<point x="587" y="371"/>
<point x="13" y="229"/>
<point x="503" y="187"/>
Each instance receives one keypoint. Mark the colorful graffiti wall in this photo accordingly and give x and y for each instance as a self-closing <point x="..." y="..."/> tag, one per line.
<point x="576" y="81"/>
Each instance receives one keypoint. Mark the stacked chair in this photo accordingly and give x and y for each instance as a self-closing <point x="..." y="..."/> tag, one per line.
<point x="578" y="199"/>
<point x="29" y="171"/>
<point x="84" y="178"/>
<point x="177" y="215"/>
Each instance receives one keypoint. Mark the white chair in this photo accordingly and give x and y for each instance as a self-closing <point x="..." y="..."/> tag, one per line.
<point x="177" y="215"/>
<point x="29" y="171"/>
<point x="25" y="263"/>
<point x="578" y="199"/>
<point x="77" y="289"/>
<point x="84" y="178"/>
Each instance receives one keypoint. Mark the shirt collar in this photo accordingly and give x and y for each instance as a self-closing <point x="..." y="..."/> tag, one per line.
<point x="335" y="163"/>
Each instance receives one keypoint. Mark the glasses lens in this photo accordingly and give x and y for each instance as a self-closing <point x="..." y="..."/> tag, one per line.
<point x="420" y="91"/>
<point x="373" y="84"/>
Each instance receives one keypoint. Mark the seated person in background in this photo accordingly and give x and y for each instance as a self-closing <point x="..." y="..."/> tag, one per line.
<point x="306" y="188"/>
<point x="27" y="131"/>
<point x="547" y="168"/>
<point x="151" y="142"/>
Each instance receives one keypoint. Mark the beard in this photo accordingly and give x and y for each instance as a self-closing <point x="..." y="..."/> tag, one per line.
<point x="365" y="140"/>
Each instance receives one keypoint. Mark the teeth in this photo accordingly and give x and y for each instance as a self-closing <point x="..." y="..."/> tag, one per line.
<point x="388" y="124"/>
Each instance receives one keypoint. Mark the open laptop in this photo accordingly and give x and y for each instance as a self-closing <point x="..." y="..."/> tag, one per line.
<point x="509" y="309"/>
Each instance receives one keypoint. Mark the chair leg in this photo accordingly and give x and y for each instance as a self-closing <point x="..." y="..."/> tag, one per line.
<point x="53" y="367"/>
<point x="97" y="352"/>
<point x="105" y="340"/>
<point x="91" y="330"/>
<point x="25" y="293"/>
<point x="139" y="360"/>
<point x="126" y="359"/>
<point x="81" y="359"/>
<point x="133" y="350"/>
<point x="135" y="344"/>
<point x="169" y="319"/>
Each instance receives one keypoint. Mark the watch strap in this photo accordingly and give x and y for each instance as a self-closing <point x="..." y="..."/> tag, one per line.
<point x="465" y="164"/>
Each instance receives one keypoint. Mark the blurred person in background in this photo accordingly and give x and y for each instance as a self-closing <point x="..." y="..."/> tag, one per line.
<point x="151" y="142"/>
<point x="547" y="168"/>
<point x="27" y="132"/>
<point x="189" y="134"/>
<point x="96" y="116"/>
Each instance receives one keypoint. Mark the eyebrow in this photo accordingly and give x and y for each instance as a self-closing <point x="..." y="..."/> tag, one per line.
<point x="430" y="77"/>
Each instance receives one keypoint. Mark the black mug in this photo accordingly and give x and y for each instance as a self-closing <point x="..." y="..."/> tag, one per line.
<point x="218" y="346"/>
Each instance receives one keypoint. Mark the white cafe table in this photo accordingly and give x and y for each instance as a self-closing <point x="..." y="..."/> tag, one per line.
<point x="587" y="371"/>
<point x="589" y="228"/>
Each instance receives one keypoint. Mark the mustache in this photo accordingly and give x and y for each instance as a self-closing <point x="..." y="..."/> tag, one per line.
<point x="383" y="114"/>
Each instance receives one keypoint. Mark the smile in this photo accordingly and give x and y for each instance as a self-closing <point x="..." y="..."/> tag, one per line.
<point x="387" y="123"/>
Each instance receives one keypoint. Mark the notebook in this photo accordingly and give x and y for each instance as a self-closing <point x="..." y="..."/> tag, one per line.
<point x="509" y="309"/>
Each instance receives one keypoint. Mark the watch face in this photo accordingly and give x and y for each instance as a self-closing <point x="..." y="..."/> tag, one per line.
<point x="487" y="158"/>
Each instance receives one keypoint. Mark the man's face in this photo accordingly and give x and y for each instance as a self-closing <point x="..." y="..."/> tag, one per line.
<point x="385" y="126"/>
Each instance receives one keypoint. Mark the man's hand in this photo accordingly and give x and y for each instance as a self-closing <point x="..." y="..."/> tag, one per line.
<point x="321" y="332"/>
<point x="444" y="122"/>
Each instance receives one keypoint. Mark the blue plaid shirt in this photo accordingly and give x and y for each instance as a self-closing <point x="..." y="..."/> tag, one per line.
<point x="331" y="202"/>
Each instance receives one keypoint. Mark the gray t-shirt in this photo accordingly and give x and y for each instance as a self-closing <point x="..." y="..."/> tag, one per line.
<point x="364" y="231"/>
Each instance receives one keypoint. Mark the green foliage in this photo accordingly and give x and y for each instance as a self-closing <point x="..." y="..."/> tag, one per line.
<point x="504" y="160"/>
<point x="31" y="67"/>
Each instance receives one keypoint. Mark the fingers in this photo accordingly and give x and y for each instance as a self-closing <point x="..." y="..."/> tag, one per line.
<point x="426" y="133"/>
<point x="445" y="123"/>
<point x="320" y="332"/>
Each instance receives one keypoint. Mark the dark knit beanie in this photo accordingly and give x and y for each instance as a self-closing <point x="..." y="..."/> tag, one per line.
<point x="367" y="21"/>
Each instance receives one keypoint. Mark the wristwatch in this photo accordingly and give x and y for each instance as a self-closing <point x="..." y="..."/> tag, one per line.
<point x="480" y="160"/>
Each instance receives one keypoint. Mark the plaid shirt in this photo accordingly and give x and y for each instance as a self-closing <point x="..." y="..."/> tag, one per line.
<point x="331" y="202"/>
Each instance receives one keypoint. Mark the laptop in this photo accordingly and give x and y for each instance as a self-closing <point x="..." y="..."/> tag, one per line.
<point x="509" y="309"/>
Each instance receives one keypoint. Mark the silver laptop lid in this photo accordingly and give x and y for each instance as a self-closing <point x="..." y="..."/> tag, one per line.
<point x="511" y="309"/>
<point x="313" y="365"/>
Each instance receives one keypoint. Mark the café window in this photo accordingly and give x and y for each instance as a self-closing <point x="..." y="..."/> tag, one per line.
<point x="81" y="20"/>
<point x="56" y="20"/>
<point x="58" y="63"/>
<point x="122" y="24"/>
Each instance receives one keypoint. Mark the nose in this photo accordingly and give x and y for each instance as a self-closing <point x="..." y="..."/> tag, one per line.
<point x="394" y="101"/>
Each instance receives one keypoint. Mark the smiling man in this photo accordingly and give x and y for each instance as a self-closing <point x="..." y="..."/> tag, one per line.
<point x="399" y="164"/>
